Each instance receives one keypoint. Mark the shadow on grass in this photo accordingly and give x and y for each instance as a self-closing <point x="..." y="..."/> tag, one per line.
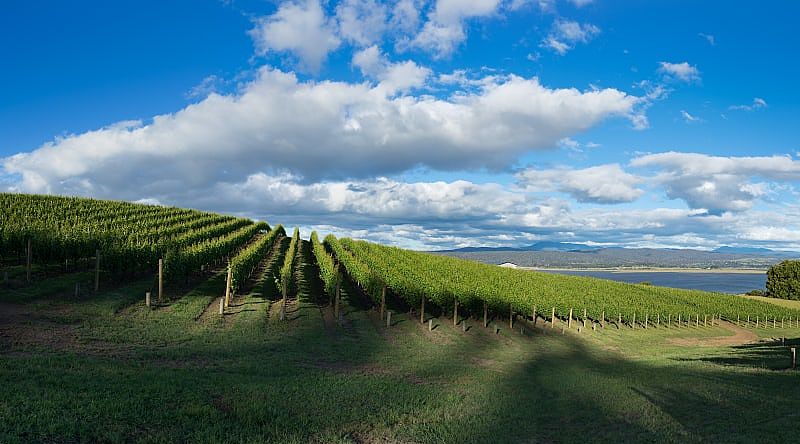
<point x="772" y="355"/>
<point x="292" y="382"/>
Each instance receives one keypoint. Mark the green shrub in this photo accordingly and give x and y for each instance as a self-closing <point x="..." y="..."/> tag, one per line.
<point x="756" y="293"/>
<point x="783" y="280"/>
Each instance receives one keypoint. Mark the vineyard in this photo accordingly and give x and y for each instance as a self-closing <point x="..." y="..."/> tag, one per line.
<point x="262" y="335"/>
<point x="447" y="282"/>
<point x="129" y="239"/>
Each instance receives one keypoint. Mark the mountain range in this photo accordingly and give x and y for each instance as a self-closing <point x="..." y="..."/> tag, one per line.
<point x="571" y="255"/>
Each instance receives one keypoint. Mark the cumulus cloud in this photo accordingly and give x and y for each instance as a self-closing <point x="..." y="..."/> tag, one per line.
<point x="301" y="28"/>
<point x="362" y="22"/>
<point x="316" y="130"/>
<point x="393" y="77"/>
<point x="758" y="103"/>
<point x="718" y="184"/>
<point x="683" y="71"/>
<point x="565" y="34"/>
<point x="377" y="199"/>
<point x="444" y="30"/>
<point x="607" y="184"/>
<point x="405" y="15"/>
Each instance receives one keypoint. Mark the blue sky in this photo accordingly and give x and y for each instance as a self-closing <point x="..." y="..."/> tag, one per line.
<point x="428" y="124"/>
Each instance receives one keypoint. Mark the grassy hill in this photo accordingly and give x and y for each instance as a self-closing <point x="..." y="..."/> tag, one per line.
<point x="100" y="366"/>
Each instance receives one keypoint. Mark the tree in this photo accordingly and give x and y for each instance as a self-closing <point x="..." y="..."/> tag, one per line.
<point x="783" y="280"/>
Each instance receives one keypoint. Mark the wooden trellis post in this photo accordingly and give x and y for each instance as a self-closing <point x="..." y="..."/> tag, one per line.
<point x="485" y="314"/>
<point x="794" y="357"/>
<point x="228" y="287"/>
<point x="603" y="320"/>
<point x="569" y="321"/>
<point x="147" y="299"/>
<point x="646" y="320"/>
<point x="669" y="319"/>
<point x="336" y="302"/>
<point x="553" y="319"/>
<point x="388" y="319"/>
<point x="455" y="312"/>
<point x="284" y="291"/>
<point x="619" y="321"/>
<point x="534" y="316"/>
<point x="511" y="317"/>
<point x="633" y="324"/>
<point x="28" y="261"/>
<point x="383" y="301"/>
<point x="584" y="319"/>
<point x="422" y="312"/>
<point x="160" y="280"/>
<point x="97" y="271"/>
<point x="338" y="284"/>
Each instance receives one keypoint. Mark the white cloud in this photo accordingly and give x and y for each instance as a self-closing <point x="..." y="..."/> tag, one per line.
<point x="709" y="38"/>
<point x="394" y="77"/>
<point x="405" y="15"/>
<point x="565" y="34"/>
<point x="715" y="183"/>
<point x="679" y="71"/>
<point x="380" y="198"/>
<point x="599" y="184"/>
<point x="758" y="103"/>
<point x="771" y="234"/>
<point x="207" y="86"/>
<point x="444" y="30"/>
<point x="315" y="130"/>
<point x="299" y="27"/>
<point x="575" y="146"/>
<point x="581" y="3"/>
<point x="361" y="22"/>
<point x="688" y="118"/>
<point x="543" y="5"/>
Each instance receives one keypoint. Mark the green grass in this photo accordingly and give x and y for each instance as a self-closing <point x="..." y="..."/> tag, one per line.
<point x="104" y="368"/>
<point x="787" y="303"/>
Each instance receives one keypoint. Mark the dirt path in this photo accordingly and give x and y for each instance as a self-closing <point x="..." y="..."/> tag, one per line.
<point x="740" y="336"/>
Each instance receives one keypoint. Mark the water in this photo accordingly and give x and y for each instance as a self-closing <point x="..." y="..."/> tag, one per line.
<point x="735" y="283"/>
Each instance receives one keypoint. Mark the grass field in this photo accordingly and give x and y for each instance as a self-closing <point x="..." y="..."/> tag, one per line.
<point x="780" y="302"/>
<point x="104" y="368"/>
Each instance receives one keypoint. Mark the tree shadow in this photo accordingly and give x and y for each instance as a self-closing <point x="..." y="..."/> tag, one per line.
<point x="771" y="355"/>
<point x="292" y="382"/>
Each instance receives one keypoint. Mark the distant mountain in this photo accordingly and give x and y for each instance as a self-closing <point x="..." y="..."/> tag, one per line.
<point x="620" y="257"/>
<point x="479" y="249"/>
<point x="559" y="246"/>
<point x="756" y="251"/>
<point x="538" y="246"/>
<point x="743" y="250"/>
